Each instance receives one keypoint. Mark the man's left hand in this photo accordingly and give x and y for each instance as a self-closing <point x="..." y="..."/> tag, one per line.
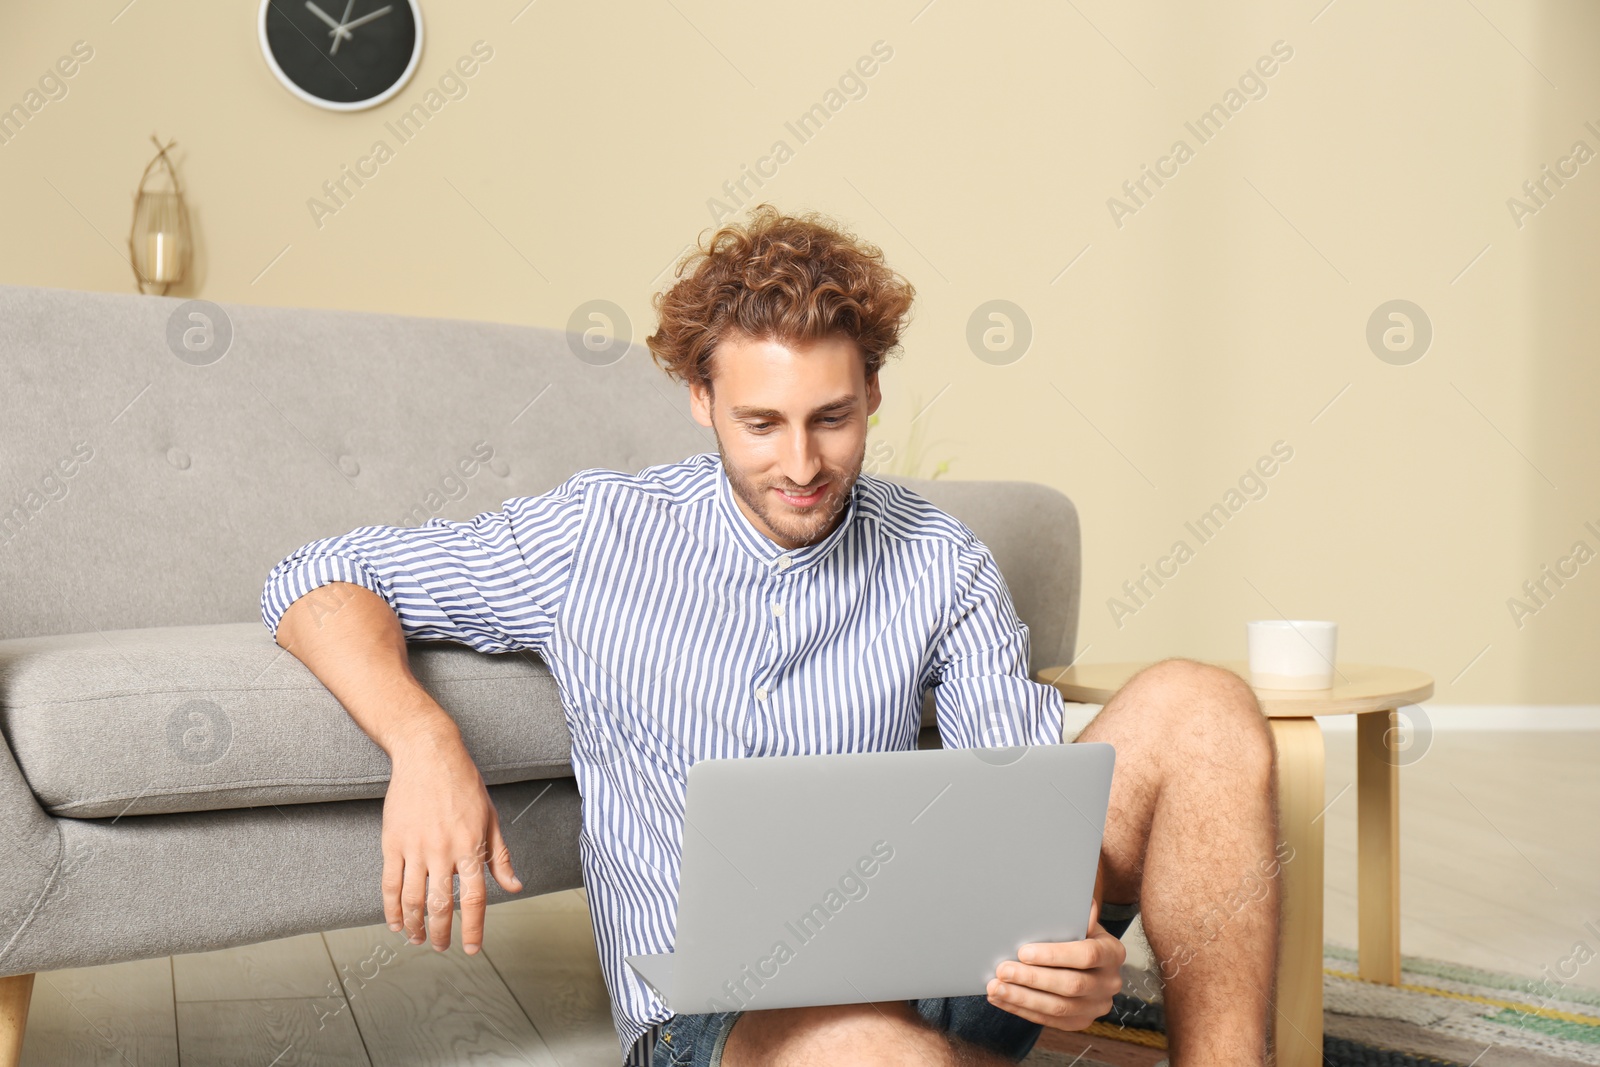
<point x="1063" y="985"/>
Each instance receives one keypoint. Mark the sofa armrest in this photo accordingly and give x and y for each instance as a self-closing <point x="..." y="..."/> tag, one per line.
<point x="30" y="855"/>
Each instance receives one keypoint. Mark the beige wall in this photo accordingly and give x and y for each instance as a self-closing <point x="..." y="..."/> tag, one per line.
<point x="1219" y="318"/>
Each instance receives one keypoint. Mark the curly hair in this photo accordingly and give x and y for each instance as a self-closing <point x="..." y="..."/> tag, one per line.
<point x="785" y="278"/>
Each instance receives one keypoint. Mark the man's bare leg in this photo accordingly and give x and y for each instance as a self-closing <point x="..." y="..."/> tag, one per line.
<point x="868" y="1035"/>
<point x="1191" y="836"/>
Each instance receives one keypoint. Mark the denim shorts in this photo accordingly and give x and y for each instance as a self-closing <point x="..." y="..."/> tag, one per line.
<point x="698" y="1040"/>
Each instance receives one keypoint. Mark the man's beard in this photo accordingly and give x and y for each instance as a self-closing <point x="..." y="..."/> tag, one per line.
<point x="807" y="527"/>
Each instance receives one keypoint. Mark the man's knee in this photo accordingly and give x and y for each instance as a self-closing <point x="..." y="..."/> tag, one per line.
<point x="1191" y="673"/>
<point x="1210" y="703"/>
<point x="879" y="1035"/>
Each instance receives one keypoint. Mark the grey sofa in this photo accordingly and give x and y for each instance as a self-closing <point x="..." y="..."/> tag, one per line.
<point x="174" y="782"/>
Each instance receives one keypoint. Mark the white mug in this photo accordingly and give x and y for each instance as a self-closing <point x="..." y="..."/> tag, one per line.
<point x="1292" y="654"/>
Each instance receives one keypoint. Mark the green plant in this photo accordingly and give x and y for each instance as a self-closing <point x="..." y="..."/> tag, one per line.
<point x="907" y="461"/>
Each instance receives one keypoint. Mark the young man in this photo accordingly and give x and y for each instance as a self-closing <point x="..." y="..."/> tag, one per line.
<point x="770" y="599"/>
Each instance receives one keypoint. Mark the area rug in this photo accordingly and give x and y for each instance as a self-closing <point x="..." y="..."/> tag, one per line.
<point x="1441" y="1015"/>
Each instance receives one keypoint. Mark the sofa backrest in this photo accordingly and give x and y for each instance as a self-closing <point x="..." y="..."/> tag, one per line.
<point x="1033" y="532"/>
<point x="144" y="489"/>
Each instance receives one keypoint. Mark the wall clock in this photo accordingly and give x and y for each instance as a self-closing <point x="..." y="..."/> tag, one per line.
<point x="343" y="55"/>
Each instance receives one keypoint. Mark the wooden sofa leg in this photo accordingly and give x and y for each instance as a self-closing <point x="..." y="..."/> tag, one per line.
<point x="15" y="994"/>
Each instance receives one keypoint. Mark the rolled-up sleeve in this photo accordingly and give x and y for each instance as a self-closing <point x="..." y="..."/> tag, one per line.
<point x="983" y="695"/>
<point x="495" y="582"/>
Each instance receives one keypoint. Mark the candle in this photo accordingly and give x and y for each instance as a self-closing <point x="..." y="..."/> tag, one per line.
<point x="161" y="257"/>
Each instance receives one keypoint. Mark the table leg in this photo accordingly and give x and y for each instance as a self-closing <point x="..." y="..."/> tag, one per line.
<point x="1297" y="1019"/>
<point x="1378" y="849"/>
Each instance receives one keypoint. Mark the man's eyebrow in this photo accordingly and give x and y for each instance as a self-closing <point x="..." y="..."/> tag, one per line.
<point x="772" y="413"/>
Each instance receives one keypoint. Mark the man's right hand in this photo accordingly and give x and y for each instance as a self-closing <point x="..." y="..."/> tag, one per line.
<point x="438" y="821"/>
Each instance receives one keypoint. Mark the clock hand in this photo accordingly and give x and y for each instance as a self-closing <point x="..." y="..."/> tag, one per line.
<point x="368" y="18"/>
<point x="341" y="32"/>
<point x="321" y="14"/>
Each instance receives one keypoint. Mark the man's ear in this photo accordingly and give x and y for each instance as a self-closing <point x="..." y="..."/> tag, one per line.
<point x="700" y="402"/>
<point x="874" y="394"/>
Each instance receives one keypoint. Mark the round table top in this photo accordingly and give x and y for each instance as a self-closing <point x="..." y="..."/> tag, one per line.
<point x="1357" y="687"/>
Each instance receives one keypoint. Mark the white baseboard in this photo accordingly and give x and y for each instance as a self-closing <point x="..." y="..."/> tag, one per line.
<point x="1518" y="717"/>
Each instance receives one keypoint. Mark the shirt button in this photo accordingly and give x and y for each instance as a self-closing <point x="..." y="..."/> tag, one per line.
<point x="761" y="692"/>
<point x="777" y="609"/>
<point x="785" y="562"/>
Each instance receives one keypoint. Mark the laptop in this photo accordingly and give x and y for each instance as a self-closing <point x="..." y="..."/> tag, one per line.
<point x="843" y="879"/>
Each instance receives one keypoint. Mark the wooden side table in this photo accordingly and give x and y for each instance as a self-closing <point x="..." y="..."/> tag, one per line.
<point x="1372" y="694"/>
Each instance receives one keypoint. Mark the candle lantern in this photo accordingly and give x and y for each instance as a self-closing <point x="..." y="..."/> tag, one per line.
<point x="159" y="242"/>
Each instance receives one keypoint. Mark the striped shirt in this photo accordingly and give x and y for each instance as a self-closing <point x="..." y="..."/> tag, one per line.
<point x="678" y="632"/>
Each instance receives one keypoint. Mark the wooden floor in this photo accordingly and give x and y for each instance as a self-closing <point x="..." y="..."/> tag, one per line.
<point x="1500" y="861"/>
<point x="1500" y="849"/>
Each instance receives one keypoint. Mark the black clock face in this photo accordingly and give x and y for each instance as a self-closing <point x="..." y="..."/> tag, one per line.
<point x="341" y="52"/>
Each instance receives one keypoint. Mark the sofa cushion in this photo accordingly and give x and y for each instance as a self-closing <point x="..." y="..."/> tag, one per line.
<point x="192" y="718"/>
